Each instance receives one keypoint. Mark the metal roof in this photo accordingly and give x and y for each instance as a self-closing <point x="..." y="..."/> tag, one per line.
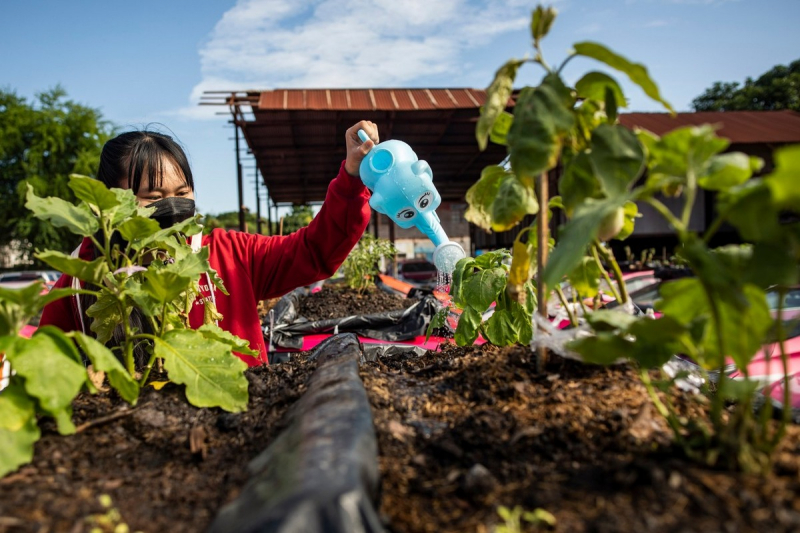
<point x="297" y="135"/>
<point x="740" y="127"/>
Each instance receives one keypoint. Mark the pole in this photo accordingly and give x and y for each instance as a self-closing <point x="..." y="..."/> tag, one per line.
<point x="543" y="237"/>
<point x="258" y="203"/>
<point x="239" y="178"/>
<point x="269" y="216"/>
<point x="391" y="239"/>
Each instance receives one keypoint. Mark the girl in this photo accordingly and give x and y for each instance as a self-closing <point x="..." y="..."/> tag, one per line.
<point x="252" y="267"/>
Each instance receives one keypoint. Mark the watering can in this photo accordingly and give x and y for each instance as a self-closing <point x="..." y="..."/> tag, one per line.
<point x="402" y="189"/>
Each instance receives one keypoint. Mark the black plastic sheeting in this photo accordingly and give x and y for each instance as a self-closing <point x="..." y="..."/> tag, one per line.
<point x="321" y="473"/>
<point x="391" y="326"/>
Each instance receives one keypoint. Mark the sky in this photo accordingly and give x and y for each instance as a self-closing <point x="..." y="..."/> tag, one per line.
<point x="147" y="62"/>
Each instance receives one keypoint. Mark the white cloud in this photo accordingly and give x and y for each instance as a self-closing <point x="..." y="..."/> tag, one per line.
<point x="266" y="44"/>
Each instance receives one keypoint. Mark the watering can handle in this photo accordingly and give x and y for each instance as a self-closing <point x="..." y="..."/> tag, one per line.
<point x="363" y="136"/>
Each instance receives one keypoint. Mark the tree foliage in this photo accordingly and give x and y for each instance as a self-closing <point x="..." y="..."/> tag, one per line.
<point x="42" y="142"/>
<point x="778" y="88"/>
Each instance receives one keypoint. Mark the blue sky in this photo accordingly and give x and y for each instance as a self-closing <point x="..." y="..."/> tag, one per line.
<point x="148" y="61"/>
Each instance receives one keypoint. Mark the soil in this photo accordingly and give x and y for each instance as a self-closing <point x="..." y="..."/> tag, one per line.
<point x="464" y="431"/>
<point x="336" y="301"/>
<point x="166" y="465"/>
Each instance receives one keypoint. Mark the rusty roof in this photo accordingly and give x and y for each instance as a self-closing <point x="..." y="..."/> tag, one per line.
<point x="297" y="135"/>
<point x="740" y="127"/>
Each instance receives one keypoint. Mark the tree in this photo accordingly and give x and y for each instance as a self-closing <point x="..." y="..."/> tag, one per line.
<point x="230" y="220"/>
<point x="300" y="216"/>
<point x="778" y="88"/>
<point x="42" y="143"/>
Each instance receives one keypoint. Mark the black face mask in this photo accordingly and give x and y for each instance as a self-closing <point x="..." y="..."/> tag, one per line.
<point x="170" y="211"/>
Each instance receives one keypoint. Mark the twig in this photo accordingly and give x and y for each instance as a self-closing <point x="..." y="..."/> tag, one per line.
<point x="104" y="419"/>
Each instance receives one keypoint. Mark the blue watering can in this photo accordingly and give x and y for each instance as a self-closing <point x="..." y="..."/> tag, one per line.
<point x="402" y="189"/>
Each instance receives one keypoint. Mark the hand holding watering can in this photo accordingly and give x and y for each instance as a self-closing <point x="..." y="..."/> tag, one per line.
<point x="402" y="189"/>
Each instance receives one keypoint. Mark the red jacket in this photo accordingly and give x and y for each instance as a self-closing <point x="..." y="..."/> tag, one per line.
<point x="257" y="267"/>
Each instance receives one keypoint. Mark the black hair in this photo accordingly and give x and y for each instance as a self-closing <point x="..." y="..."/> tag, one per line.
<point x="128" y="155"/>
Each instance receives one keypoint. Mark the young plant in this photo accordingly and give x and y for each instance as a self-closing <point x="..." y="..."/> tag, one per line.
<point x="479" y="282"/>
<point x="361" y="267"/>
<point x="719" y="316"/>
<point x="150" y="269"/>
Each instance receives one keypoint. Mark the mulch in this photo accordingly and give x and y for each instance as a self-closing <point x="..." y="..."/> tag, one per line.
<point x="166" y="465"/>
<point x="336" y="301"/>
<point x="464" y="431"/>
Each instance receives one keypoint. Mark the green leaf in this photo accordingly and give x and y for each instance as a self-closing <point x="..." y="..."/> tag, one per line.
<point x="770" y="265"/>
<point x="106" y="315"/>
<point x="744" y="328"/>
<point x="617" y="158"/>
<point x="501" y="328"/>
<point x="611" y="106"/>
<point x="213" y="376"/>
<point x="610" y="320"/>
<point x="739" y="390"/>
<point x="461" y="274"/>
<point x="542" y="117"/>
<point x="135" y="229"/>
<point x="214" y="332"/>
<point x="524" y="323"/>
<point x="631" y="212"/>
<point x="17" y="446"/>
<point x="578" y="182"/>
<point x="128" y="207"/>
<point x="62" y="214"/>
<point x="104" y="360"/>
<point x="513" y="201"/>
<point x="636" y="72"/>
<point x="187" y="227"/>
<point x="482" y="288"/>
<point x="593" y="86"/>
<point x="783" y="180"/>
<point x="541" y="21"/>
<point x="497" y="95"/>
<point x="439" y="320"/>
<point x="655" y="340"/>
<point x="682" y="299"/>
<point x="17" y="407"/>
<point x="480" y="197"/>
<point x="753" y="212"/>
<point x="164" y="285"/>
<point x="467" y="329"/>
<point x="576" y="235"/>
<point x="604" y="348"/>
<point x="585" y="278"/>
<point x="726" y="170"/>
<point x="499" y="133"/>
<point x="93" y="192"/>
<point x="64" y="423"/>
<point x="48" y="363"/>
<point x="90" y="271"/>
<point x="191" y="266"/>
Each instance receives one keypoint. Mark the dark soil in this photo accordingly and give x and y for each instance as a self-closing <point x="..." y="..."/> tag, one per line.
<point x="166" y="465"/>
<point x="467" y="430"/>
<point x="336" y="301"/>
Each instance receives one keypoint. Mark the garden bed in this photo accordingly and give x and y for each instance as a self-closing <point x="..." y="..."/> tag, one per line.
<point x="335" y="301"/>
<point x="166" y="465"/>
<point x="463" y="431"/>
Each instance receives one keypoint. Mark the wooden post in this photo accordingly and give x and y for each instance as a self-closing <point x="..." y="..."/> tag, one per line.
<point x="392" y="239"/>
<point x="543" y="236"/>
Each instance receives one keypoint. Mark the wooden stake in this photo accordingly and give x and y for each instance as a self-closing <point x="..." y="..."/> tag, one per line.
<point x="543" y="236"/>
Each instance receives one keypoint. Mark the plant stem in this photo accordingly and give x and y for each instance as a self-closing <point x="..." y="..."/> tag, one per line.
<point x="604" y="273"/>
<point x="543" y="238"/>
<point x="786" y="412"/>
<point x="691" y="192"/>
<point x="572" y="319"/>
<point x="666" y="213"/>
<point x="672" y="420"/>
<point x="609" y="256"/>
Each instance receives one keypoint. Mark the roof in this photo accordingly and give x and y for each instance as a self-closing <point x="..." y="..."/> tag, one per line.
<point x="740" y="127"/>
<point x="297" y="135"/>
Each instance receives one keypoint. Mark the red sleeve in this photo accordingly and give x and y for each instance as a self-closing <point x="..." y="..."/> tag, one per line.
<point x="61" y="313"/>
<point x="280" y="264"/>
